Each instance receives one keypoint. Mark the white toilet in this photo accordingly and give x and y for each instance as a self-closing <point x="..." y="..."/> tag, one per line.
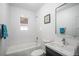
<point x="38" y="52"/>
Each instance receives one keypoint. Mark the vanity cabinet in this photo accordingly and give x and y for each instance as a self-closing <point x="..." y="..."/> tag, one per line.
<point x="50" y="52"/>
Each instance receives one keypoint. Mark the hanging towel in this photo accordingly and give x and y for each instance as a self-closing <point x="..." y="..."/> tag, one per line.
<point x="4" y="31"/>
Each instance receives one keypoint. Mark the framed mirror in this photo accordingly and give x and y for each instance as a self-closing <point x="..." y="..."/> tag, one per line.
<point x="67" y="19"/>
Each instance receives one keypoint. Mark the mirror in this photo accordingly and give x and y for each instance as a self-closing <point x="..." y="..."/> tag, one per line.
<point x="67" y="19"/>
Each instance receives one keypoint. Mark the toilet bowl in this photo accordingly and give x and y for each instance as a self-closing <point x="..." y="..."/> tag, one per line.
<point x="38" y="52"/>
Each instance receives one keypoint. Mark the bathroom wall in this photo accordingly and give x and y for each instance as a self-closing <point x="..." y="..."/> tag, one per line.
<point x="17" y="36"/>
<point x="3" y="20"/>
<point x="47" y="31"/>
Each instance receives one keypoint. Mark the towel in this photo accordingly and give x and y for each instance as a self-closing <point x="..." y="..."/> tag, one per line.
<point x="4" y="31"/>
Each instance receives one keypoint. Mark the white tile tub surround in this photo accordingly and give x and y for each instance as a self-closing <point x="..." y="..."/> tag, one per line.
<point x="17" y="36"/>
<point x="22" y="50"/>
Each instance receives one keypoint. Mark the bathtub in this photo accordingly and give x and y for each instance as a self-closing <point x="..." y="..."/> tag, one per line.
<point x="23" y="49"/>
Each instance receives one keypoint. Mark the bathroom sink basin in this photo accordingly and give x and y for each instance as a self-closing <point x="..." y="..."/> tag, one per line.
<point x="62" y="46"/>
<point x="57" y="44"/>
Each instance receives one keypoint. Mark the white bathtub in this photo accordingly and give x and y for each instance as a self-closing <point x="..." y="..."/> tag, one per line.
<point x="23" y="49"/>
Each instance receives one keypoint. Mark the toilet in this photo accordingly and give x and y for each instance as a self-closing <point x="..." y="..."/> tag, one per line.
<point x="38" y="52"/>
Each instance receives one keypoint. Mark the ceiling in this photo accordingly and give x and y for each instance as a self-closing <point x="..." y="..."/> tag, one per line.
<point x="30" y="6"/>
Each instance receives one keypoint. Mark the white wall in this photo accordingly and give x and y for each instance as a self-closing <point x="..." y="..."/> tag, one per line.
<point x="3" y="20"/>
<point x="17" y="36"/>
<point x="47" y="31"/>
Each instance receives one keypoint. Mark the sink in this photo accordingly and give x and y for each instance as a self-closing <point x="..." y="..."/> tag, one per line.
<point x="66" y="47"/>
<point x="57" y="44"/>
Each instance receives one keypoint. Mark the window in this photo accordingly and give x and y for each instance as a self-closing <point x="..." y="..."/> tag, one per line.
<point x="23" y="23"/>
<point x="23" y="28"/>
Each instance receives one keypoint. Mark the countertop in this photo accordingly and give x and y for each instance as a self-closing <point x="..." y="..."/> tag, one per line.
<point x="67" y="50"/>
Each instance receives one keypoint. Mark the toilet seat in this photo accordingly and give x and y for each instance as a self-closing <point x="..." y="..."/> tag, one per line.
<point x="38" y="52"/>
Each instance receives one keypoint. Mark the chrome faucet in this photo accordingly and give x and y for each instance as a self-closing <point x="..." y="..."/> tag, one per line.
<point x="64" y="41"/>
<point x="36" y="39"/>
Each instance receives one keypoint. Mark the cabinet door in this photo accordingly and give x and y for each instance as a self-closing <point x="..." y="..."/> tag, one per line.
<point x="50" y="52"/>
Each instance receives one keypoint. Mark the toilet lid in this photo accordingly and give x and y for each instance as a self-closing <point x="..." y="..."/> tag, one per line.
<point x="37" y="52"/>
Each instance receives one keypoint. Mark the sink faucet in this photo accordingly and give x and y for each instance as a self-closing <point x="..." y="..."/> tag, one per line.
<point x="64" y="41"/>
<point x="36" y="39"/>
